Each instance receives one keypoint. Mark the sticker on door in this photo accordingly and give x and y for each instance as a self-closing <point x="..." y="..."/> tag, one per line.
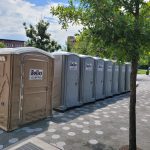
<point x="73" y="66"/>
<point x="89" y="67"/>
<point x="36" y="74"/>
<point x="100" y="67"/>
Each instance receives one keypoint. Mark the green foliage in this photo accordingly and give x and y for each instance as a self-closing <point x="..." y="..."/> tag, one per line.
<point x="38" y="37"/>
<point x="145" y="59"/>
<point x="122" y="27"/>
<point x="2" y="45"/>
<point x="87" y="44"/>
<point x="141" y="71"/>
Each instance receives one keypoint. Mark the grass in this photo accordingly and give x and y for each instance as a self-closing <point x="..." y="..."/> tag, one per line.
<point x="141" y="71"/>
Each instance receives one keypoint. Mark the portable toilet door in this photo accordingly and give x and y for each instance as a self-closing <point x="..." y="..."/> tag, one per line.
<point x="71" y="81"/>
<point x="98" y="78"/>
<point x="26" y="86"/>
<point x="66" y="80"/>
<point x="115" y="78"/>
<point x="86" y="79"/>
<point x="121" y="78"/>
<point x="107" y="78"/>
<point x="127" y="76"/>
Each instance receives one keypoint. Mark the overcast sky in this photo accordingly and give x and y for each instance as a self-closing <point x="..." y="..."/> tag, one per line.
<point x="14" y="12"/>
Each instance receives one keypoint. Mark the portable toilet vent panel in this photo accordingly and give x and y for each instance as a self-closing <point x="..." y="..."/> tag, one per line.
<point x="107" y="78"/>
<point x="115" y="78"/>
<point x="66" y="80"/>
<point x="121" y="78"/>
<point x="86" y="79"/>
<point x="98" y="78"/>
<point x="26" y="76"/>
<point x="127" y="76"/>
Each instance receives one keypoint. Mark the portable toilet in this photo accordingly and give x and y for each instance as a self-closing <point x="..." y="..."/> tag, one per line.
<point x="107" y="78"/>
<point x="86" y="79"/>
<point x="26" y="76"/>
<point x="66" y="80"/>
<point x="98" y="78"/>
<point x="121" y="78"/>
<point x="115" y="78"/>
<point x="127" y="76"/>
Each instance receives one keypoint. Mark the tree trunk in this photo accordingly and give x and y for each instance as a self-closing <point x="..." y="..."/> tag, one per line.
<point x="132" y="110"/>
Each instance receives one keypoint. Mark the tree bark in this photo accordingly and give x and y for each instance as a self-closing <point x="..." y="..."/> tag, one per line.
<point x="132" y="110"/>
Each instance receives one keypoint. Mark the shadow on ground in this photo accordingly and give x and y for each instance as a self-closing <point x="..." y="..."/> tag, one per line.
<point x="86" y="109"/>
<point x="31" y="130"/>
<point x="100" y="146"/>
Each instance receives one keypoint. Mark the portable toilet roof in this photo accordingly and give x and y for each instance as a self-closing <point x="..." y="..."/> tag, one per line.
<point x="20" y="50"/>
<point x="85" y="56"/>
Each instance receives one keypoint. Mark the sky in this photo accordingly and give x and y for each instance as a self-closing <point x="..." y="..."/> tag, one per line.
<point x="14" y="12"/>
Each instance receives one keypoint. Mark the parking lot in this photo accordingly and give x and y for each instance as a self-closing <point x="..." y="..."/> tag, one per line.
<point x="102" y="125"/>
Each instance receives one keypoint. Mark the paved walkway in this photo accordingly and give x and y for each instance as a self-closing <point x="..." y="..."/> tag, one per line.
<point x="99" y="126"/>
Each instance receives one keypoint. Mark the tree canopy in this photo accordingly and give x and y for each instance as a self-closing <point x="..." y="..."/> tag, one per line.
<point x="39" y="37"/>
<point x="86" y="44"/>
<point x="2" y="45"/>
<point x="112" y="23"/>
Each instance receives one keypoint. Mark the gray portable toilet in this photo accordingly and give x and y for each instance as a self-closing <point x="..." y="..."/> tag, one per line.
<point x="121" y="83"/>
<point x="107" y="78"/>
<point x="115" y="78"/>
<point x="66" y="80"/>
<point x="98" y="78"/>
<point x="127" y="76"/>
<point x="86" y="79"/>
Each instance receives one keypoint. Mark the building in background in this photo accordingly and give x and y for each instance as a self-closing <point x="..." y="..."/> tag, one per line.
<point x="12" y="43"/>
<point x="70" y="42"/>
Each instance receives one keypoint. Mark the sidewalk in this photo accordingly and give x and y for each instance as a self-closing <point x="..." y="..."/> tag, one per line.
<point x="99" y="126"/>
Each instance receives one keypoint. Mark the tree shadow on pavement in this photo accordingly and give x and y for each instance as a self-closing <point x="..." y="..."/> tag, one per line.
<point x="86" y="109"/>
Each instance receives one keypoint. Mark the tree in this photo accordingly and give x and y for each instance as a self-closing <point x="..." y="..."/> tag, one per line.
<point x="2" y="45"/>
<point x="145" y="60"/>
<point x="38" y="37"/>
<point x="86" y="44"/>
<point x="122" y="26"/>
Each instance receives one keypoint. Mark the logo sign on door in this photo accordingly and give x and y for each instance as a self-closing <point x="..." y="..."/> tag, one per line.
<point x="100" y="67"/>
<point x="88" y="67"/>
<point x="2" y="58"/>
<point x="109" y="68"/>
<point x="73" y="65"/>
<point x="36" y="74"/>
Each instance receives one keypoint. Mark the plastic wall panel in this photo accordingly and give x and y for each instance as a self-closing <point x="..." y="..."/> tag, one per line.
<point x="87" y="80"/>
<point x="99" y="79"/>
<point x="115" y="78"/>
<point x="127" y="77"/>
<point x="121" y="78"/>
<point x="108" y="78"/>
